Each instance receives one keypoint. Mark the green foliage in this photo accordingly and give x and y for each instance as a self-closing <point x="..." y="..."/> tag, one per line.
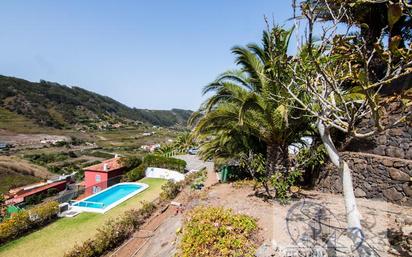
<point x="131" y="162"/>
<point x="170" y="190"/>
<point x="136" y="173"/>
<point x="214" y="231"/>
<point x="24" y="221"/>
<point x="59" y="106"/>
<point x="99" y="154"/>
<point x="311" y="158"/>
<point x="113" y="233"/>
<point x="43" y="158"/>
<point x="282" y="182"/>
<point x="248" y="111"/>
<point x="152" y="160"/>
<point x="38" y="198"/>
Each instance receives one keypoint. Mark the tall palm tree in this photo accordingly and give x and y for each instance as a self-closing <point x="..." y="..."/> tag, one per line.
<point x="252" y="103"/>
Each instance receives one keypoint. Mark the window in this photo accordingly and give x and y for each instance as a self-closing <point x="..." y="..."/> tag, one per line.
<point x="96" y="189"/>
<point x="98" y="178"/>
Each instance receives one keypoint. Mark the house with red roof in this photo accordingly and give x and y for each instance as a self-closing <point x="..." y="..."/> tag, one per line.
<point x="103" y="175"/>
<point x="20" y="194"/>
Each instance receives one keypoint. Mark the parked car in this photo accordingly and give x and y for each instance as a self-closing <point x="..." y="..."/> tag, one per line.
<point x="193" y="151"/>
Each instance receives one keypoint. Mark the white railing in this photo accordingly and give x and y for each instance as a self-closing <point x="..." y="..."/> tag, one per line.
<point x="87" y="203"/>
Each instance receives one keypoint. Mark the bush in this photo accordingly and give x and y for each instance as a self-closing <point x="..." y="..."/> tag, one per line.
<point x="214" y="231"/>
<point x="158" y="161"/>
<point x="282" y="183"/>
<point x="131" y="162"/>
<point x="136" y="173"/>
<point x="170" y="190"/>
<point x="22" y="222"/>
<point x="113" y="233"/>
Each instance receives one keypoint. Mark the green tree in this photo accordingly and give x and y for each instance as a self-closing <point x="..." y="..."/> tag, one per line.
<point x="250" y="103"/>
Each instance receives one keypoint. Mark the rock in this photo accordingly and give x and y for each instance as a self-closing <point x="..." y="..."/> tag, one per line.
<point x="359" y="192"/>
<point x="367" y="186"/>
<point x="398" y="175"/>
<point x="381" y="140"/>
<point x="387" y="162"/>
<point x="396" y="132"/>
<point x="408" y="154"/>
<point x="406" y="230"/>
<point x="407" y="188"/>
<point x="393" y="151"/>
<point x="408" y="220"/>
<point x="380" y="150"/>
<point x="399" y="164"/>
<point x="392" y="194"/>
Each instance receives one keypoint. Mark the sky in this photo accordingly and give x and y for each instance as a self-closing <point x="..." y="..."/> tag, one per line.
<point x="154" y="54"/>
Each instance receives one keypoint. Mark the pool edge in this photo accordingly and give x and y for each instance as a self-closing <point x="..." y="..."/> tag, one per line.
<point x="111" y="206"/>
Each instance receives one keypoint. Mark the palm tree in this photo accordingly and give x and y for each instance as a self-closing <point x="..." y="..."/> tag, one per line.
<point x="251" y="103"/>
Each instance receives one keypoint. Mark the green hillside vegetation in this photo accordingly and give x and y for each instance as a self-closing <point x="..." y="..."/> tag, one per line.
<point x="53" y="105"/>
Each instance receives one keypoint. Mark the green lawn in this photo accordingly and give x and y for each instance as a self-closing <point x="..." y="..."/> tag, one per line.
<point x="10" y="179"/>
<point x="61" y="235"/>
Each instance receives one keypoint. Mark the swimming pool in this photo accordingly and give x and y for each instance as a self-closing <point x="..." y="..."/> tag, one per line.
<point x="109" y="198"/>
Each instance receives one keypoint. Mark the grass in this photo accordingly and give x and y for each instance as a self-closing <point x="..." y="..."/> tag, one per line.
<point x="19" y="124"/>
<point x="10" y="179"/>
<point x="60" y="236"/>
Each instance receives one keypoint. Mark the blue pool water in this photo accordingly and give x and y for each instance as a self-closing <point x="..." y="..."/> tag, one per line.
<point x="105" y="198"/>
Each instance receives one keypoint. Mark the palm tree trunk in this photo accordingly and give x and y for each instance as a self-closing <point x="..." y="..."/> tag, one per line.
<point x="352" y="214"/>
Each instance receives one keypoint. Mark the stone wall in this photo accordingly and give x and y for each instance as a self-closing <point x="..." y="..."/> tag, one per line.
<point x="382" y="164"/>
<point x="373" y="177"/>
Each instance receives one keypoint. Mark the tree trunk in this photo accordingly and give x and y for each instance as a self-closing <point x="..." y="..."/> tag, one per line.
<point x="352" y="214"/>
<point x="274" y="158"/>
<point x="273" y="154"/>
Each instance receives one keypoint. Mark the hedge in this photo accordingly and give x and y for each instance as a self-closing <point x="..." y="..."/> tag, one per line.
<point x="157" y="161"/>
<point x="136" y="173"/>
<point x="152" y="160"/>
<point x="24" y="221"/>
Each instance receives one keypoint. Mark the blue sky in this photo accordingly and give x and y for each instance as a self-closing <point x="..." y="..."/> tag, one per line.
<point x="154" y="54"/>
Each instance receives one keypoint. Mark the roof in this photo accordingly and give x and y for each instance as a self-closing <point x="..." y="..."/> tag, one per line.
<point x="112" y="164"/>
<point x="41" y="189"/>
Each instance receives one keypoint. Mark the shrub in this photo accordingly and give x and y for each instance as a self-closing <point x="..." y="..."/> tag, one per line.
<point x="152" y="160"/>
<point x="170" y="190"/>
<point x="113" y="233"/>
<point x="214" y="231"/>
<point x="136" y="173"/>
<point x="131" y="162"/>
<point x="282" y="183"/>
<point x="22" y="222"/>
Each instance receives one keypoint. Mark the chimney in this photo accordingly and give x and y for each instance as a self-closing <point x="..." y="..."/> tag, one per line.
<point x="105" y="167"/>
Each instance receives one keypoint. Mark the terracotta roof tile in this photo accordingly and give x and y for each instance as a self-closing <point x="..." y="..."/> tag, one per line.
<point x="113" y="164"/>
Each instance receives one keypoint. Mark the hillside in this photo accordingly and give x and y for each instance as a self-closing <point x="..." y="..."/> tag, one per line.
<point x="53" y="105"/>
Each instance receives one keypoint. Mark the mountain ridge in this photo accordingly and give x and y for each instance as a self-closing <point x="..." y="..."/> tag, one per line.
<point x="54" y="105"/>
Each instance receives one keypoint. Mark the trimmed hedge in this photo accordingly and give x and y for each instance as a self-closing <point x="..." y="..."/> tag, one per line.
<point x="113" y="233"/>
<point x="152" y="160"/>
<point x="136" y="173"/>
<point x="157" y="161"/>
<point x="24" y="221"/>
